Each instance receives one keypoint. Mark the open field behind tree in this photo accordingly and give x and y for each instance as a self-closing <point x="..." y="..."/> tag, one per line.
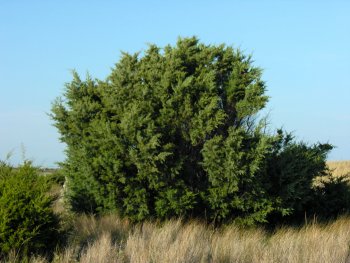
<point x="339" y="168"/>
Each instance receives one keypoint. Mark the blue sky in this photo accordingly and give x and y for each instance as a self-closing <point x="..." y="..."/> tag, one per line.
<point x="303" y="47"/>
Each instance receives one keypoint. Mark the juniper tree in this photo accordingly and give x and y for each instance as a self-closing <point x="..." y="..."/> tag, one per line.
<point x="170" y="132"/>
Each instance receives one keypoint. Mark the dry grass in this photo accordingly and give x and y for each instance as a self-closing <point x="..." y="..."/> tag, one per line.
<point x="313" y="243"/>
<point x="173" y="242"/>
<point x="101" y="251"/>
<point x="58" y="205"/>
<point x="176" y="241"/>
<point x="90" y="234"/>
<point x="339" y="168"/>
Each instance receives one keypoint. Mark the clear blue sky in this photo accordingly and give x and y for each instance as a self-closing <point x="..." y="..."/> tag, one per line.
<point x="303" y="47"/>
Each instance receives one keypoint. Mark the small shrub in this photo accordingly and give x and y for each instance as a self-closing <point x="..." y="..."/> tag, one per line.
<point x="27" y="223"/>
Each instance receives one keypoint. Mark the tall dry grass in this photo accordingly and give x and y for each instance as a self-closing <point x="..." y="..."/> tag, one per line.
<point x="172" y="242"/>
<point x="94" y="239"/>
<point x="101" y="251"/>
<point x="194" y="242"/>
<point x="109" y="239"/>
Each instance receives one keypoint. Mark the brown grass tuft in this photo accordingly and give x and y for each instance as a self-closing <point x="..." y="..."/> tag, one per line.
<point x="101" y="251"/>
<point x="172" y="242"/>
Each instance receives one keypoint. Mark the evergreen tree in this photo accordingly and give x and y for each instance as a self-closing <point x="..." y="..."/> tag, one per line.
<point x="171" y="132"/>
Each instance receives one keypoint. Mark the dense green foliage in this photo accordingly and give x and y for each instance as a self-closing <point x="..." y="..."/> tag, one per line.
<point x="173" y="132"/>
<point x="27" y="223"/>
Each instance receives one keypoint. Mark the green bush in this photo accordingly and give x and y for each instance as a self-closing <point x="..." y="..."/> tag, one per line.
<point x="27" y="223"/>
<point x="173" y="133"/>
